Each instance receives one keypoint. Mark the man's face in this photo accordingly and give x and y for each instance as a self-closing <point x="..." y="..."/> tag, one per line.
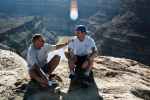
<point x="39" y="43"/>
<point x="80" y="35"/>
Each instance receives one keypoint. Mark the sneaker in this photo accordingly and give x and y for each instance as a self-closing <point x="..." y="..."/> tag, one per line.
<point x="72" y="76"/>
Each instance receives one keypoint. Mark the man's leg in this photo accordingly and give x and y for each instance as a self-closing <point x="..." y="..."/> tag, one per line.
<point x="71" y="63"/>
<point x="34" y="75"/>
<point x="88" y="65"/>
<point x="91" y="63"/>
<point x="53" y="63"/>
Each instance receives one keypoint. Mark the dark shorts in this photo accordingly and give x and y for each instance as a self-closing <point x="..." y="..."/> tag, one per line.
<point x="45" y="68"/>
<point x="80" y="60"/>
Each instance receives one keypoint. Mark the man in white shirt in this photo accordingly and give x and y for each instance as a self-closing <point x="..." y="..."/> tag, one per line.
<point x="39" y="69"/>
<point x="82" y="50"/>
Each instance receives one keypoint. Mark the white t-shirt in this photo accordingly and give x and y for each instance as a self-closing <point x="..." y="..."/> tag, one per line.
<point x="82" y="47"/>
<point x="38" y="56"/>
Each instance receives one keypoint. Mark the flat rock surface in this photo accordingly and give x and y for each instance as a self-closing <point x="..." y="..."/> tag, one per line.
<point x="114" y="79"/>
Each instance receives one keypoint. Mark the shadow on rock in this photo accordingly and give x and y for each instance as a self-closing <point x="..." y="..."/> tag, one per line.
<point x="35" y="92"/>
<point x="141" y="93"/>
<point x="77" y="92"/>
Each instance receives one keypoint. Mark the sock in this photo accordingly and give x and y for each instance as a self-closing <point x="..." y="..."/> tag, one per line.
<point x="50" y="83"/>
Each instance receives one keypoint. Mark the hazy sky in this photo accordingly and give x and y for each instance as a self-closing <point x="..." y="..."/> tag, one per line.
<point x="44" y="7"/>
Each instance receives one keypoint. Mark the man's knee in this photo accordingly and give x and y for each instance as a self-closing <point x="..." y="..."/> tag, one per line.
<point x="67" y="54"/>
<point x="57" y="58"/>
<point x="54" y="61"/>
<point x="72" y="60"/>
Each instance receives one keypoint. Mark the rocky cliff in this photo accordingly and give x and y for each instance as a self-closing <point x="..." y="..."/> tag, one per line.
<point x="13" y="69"/>
<point x="119" y="25"/>
<point x="126" y="34"/>
<point x="17" y="34"/>
<point x="114" y="79"/>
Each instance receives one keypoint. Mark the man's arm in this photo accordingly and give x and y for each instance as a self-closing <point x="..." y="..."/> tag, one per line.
<point x="59" y="46"/>
<point x="40" y="71"/>
<point x="93" y="54"/>
<point x="70" y="52"/>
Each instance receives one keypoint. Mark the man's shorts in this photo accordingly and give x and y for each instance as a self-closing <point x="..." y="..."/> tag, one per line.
<point x="81" y="60"/>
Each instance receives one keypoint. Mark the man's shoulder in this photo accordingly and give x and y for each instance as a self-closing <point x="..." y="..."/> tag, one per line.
<point x="89" y="38"/>
<point x="30" y="47"/>
<point x="49" y="47"/>
<point x="46" y="44"/>
<point x="73" y="39"/>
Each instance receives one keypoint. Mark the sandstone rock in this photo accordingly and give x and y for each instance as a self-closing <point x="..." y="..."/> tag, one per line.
<point x="114" y="79"/>
<point x="13" y="69"/>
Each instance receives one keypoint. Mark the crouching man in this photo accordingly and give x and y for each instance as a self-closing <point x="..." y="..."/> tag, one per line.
<point x="81" y="53"/>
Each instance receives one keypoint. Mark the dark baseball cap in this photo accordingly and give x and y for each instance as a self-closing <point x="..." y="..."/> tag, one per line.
<point x="80" y="28"/>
